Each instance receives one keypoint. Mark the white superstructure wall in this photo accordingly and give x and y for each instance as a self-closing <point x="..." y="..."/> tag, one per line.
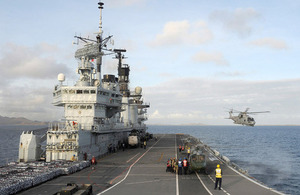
<point x="29" y="148"/>
<point x="126" y="113"/>
<point x="133" y="113"/>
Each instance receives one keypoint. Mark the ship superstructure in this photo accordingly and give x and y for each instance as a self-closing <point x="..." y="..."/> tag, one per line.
<point x="99" y="112"/>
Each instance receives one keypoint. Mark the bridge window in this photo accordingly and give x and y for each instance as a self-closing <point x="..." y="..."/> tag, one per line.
<point x="86" y="91"/>
<point x="93" y="91"/>
<point x="79" y="91"/>
<point x="72" y="91"/>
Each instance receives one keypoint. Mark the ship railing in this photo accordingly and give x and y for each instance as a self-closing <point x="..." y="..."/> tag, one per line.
<point x="64" y="126"/>
<point x="109" y="127"/>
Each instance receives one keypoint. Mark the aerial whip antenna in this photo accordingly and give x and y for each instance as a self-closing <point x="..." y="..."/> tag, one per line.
<point x="100" y="23"/>
<point x="99" y="41"/>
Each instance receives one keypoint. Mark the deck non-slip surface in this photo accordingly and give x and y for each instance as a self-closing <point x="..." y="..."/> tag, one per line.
<point x="143" y="171"/>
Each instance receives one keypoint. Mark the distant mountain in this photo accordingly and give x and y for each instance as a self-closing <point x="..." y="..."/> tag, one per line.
<point x="19" y="121"/>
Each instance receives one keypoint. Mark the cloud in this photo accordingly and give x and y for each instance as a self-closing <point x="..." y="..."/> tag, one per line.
<point x="31" y="103"/>
<point x="156" y="115"/>
<point x="238" y="22"/>
<point x="24" y="69"/>
<point x="196" y="100"/>
<point x="179" y="101"/>
<point x="181" y="32"/>
<point x="37" y="62"/>
<point x="270" y="43"/>
<point x="230" y="74"/>
<point x="213" y="57"/>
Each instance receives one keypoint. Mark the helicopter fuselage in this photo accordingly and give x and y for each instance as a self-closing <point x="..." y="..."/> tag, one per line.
<point x="243" y="119"/>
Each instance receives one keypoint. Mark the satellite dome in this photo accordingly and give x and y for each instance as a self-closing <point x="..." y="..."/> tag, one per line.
<point x="61" y="77"/>
<point x="138" y="90"/>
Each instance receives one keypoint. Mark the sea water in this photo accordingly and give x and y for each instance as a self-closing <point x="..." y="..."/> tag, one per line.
<point x="271" y="154"/>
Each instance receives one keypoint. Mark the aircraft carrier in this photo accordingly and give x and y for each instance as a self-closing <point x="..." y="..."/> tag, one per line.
<point x="100" y="113"/>
<point x="143" y="171"/>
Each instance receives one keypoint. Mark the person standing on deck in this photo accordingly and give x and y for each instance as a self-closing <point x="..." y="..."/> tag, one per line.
<point x="218" y="177"/>
<point x="189" y="152"/>
<point x="176" y="166"/>
<point x="173" y="165"/>
<point x="93" y="161"/>
<point x="180" y="167"/>
<point x="123" y="146"/>
<point x="185" y="165"/>
<point x="168" y="165"/>
<point x="73" y="158"/>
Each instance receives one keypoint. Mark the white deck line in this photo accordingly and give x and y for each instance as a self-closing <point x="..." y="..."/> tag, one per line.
<point x="132" y="157"/>
<point x="203" y="184"/>
<point x="249" y="179"/>
<point x="128" y="170"/>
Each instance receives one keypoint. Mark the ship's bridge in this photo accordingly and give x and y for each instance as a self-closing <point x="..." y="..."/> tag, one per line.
<point x="84" y="103"/>
<point x="87" y="94"/>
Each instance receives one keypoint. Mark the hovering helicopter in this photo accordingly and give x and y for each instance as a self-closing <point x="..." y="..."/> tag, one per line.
<point x="243" y="118"/>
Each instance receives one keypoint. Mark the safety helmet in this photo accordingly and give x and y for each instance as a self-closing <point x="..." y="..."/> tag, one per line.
<point x="218" y="166"/>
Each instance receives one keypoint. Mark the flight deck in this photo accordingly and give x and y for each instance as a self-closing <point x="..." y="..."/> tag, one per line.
<point x="143" y="171"/>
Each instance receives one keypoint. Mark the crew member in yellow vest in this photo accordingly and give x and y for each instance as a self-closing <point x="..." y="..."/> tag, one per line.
<point x="73" y="158"/>
<point x="218" y="177"/>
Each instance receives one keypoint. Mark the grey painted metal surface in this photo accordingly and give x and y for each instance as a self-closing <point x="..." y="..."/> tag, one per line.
<point x="143" y="171"/>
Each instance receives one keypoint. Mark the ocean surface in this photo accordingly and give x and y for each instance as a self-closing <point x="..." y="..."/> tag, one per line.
<point x="271" y="154"/>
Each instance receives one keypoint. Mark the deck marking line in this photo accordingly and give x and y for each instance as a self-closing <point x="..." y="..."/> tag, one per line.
<point x="161" y="156"/>
<point x="93" y="170"/>
<point x="203" y="184"/>
<point x="150" y="181"/>
<point x="221" y="187"/>
<point x="132" y="157"/>
<point x="177" y="185"/>
<point x="127" y="171"/>
<point x="249" y="179"/>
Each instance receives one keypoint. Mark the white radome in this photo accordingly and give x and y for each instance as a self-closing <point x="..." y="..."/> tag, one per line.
<point x="61" y="77"/>
<point x="138" y="90"/>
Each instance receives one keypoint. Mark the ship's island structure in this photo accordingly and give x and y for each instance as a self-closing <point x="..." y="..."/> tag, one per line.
<point x="99" y="112"/>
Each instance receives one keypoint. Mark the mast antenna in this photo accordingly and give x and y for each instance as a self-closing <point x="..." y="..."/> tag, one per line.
<point x="100" y="23"/>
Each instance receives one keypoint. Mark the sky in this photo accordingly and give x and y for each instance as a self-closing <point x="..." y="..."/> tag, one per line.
<point x="194" y="59"/>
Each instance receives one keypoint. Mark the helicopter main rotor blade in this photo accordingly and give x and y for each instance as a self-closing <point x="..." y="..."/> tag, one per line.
<point x="258" y="112"/>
